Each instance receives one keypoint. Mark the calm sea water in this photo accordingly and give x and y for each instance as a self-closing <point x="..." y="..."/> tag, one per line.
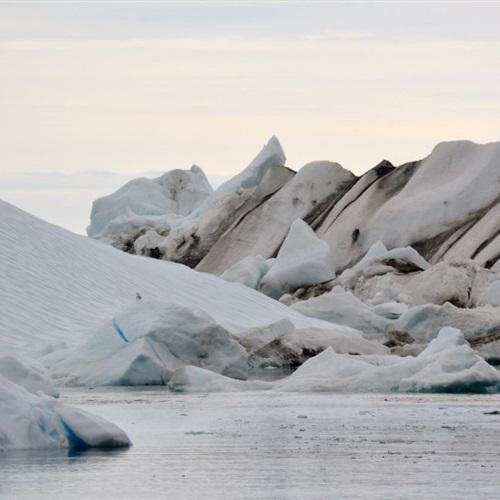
<point x="272" y="445"/>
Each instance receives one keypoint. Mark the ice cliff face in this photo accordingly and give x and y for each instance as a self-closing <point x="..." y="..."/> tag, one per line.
<point x="444" y="206"/>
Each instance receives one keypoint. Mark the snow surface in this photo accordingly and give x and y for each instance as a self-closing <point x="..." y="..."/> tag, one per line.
<point x="31" y="418"/>
<point x="303" y="260"/>
<point x="57" y="286"/>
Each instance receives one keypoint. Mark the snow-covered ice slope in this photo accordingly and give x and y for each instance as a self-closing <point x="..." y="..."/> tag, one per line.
<point x="56" y="285"/>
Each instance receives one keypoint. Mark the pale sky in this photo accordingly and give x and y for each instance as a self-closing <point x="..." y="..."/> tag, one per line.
<point x="95" y="93"/>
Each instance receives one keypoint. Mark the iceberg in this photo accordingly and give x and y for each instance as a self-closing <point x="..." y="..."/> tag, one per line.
<point x="147" y="343"/>
<point x="157" y="204"/>
<point x="448" y="364"/>
<point x="293" y="347"/>
<point x="413" y="207"/>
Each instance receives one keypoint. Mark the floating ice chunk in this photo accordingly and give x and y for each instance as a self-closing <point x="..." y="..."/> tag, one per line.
<point x="28" y="420"/>
<point x="442" y="283"/>
<point x="293" y="348"/>
<point x="90" y="431"/>
<point x="195" y="379"/>
<point x="256" y="338"/>
<point x="379" y="253"/>
<point x="328" y="371"/>
<point x="376" y="251"/>
<point x="450" y="365"/>
<point x="303" y="260"/>
<point x="424" y="322"/>
<point x="343" y="342"/>
<point x="248" y="271"/>
<point x="446" y="338"/>
<point x="462" y="284"/>
<point x="390" y="310"/>
<point x="107" y="360"/>
<point x="407" y="254"/>
<point x="31" y="419"/>
<point x="146" y="343"/>
<point x="343" y="308"/>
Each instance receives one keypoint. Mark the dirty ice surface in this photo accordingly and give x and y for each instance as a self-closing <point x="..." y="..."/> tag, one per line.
<point x="272" y="445"/>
